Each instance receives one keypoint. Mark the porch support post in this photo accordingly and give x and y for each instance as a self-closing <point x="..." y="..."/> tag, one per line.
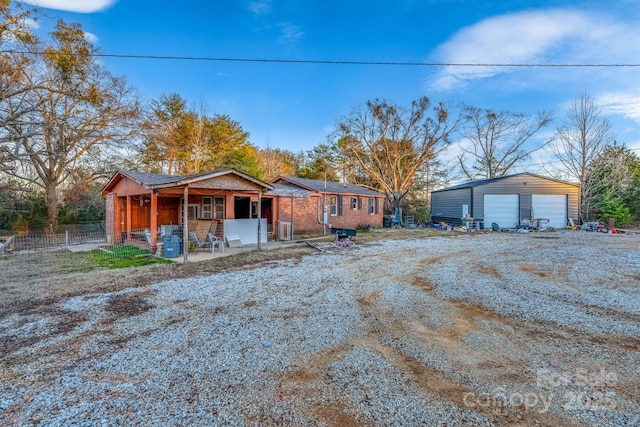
<point x="154" y="220"/>
<point x="128" y="220"/>
<point x="185" y="223"/>
<point x="259" y="216"/>
<point x="118" y="224"/>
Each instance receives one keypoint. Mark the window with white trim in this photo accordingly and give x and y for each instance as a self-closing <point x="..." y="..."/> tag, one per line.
<point x="218" y="207"/>
<point x="333" y="202"/>
<point x="206" y="208"/>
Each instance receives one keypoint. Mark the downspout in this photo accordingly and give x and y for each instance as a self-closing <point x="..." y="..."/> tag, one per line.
<point x="324" y="207"/>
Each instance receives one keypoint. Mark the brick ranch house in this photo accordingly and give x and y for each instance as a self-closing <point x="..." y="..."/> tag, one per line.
<point x="142" y="207"/>
<point x="347" y="205"/>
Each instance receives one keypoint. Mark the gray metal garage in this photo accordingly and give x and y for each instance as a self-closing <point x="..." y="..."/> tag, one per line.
<point x="508" y="200"/>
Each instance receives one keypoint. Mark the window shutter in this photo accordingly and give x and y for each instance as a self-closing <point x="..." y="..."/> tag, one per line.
<point x="376" y="202"/>
<point x="340" y="205"/>
<point x="360" y="203"/>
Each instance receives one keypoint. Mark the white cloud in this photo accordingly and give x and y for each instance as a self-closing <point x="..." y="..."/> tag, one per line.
<point x="32" y="24"/>
<point x="80" y="6"/>
<point x="623" y="104"/>
<point x="289" y="33"/>
<point x="260" y="7"/>
<point x="547" y="36"/>
<point x="91" y="38"/>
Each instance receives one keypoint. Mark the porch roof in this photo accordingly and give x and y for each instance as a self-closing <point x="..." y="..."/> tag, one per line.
<point x="154" y="181"/>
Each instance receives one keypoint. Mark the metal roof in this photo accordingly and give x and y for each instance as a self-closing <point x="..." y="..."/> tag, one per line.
<point x="477" y="183"/>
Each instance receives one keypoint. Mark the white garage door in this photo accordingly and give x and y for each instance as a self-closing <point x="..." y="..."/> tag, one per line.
<point x="551" y="207"/>
<point x="503" y="209"/>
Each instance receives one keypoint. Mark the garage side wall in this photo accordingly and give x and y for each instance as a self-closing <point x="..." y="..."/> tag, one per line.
<point x="525" y="186"/>
<point x="447" y="205"/>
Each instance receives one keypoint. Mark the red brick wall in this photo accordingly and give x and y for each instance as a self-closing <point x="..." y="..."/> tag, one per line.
<point x="110" y="215"/>
<point x="308" y="214"/>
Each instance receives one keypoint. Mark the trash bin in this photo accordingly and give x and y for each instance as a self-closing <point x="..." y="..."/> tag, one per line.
<point x="171" y="246"/>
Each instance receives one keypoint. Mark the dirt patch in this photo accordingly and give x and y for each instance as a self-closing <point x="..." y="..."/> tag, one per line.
<point x="335" y="414"/>
<point x="125" y="305"/>
<point x="489" y="270"/>
<point x="423" y="283"/>
<point x="60" y="322"/>
<point x="533" y="270"/>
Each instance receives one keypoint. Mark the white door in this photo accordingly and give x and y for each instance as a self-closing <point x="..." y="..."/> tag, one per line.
<point x="503" y="209"/>
<point x="552" y="207"/>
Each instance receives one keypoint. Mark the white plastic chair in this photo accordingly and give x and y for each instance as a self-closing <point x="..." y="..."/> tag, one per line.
<point x="215" y="241"/>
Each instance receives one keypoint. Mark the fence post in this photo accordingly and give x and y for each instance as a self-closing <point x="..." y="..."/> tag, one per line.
<point x="66" y="238"/>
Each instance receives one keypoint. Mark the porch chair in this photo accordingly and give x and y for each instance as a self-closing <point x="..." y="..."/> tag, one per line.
<point x="196" y="242"/>
<point x="215" y="241"/>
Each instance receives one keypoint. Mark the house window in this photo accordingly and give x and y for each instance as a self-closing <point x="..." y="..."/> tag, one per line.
<point x="192" y="211"/>
<point x="218" y="207"/>
<point x="334" y="205"/>
<point x="371" y="205"/>
<point x="254" y="209"/>
<point x="206" y="208"/>
<point x="354" y="203"/>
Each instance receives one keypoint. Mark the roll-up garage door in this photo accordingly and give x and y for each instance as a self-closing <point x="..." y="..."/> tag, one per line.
<point x="503" y="209"/>
<point x="552" y="207"/>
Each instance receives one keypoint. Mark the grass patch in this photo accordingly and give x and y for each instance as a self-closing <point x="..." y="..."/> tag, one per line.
<point x="126" y="256"/>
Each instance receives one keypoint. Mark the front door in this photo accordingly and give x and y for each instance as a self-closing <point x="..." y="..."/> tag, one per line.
<point x="241" y="207"/>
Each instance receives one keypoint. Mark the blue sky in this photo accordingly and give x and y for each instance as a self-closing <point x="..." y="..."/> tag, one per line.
<point x="295" y="106"/>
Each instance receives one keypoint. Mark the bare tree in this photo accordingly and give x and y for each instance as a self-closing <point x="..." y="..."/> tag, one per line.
<point x="78" y="110"/>
<point x="16" y="40"/>
<point x="579" y="141"/>
<point x="498" y="141"/>
<point x="276" y="161"/>
<point x="393" y="145"/>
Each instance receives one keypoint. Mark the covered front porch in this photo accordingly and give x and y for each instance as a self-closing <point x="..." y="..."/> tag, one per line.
<point x="146" y="209"/>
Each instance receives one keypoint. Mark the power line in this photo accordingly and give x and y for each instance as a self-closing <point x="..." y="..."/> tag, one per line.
<point x="332" y="62"/>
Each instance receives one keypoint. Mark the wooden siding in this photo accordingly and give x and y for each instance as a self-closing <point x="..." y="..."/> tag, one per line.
<point x="447" y="205"/>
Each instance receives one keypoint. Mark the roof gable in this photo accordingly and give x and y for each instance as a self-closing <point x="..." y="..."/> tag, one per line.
<point x="157" y="180"/>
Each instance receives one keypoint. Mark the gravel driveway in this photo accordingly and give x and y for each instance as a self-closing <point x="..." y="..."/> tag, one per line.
<point x="490" y="329"/>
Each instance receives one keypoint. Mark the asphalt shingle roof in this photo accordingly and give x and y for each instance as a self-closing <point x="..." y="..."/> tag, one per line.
<point x="331" y="186"/>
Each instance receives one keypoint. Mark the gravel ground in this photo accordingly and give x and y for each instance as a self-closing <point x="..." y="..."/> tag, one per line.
<point x="490" y="329"/>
